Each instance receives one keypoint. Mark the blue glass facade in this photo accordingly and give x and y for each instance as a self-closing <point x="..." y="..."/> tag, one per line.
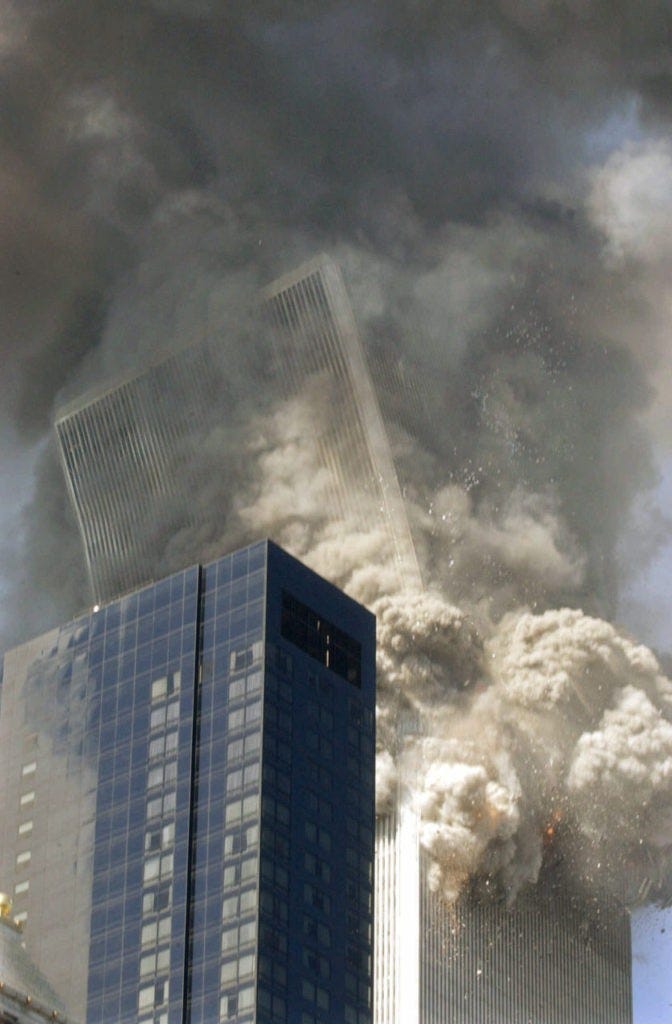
<point x="140" y="885"/>
<point x="223" y="720"/>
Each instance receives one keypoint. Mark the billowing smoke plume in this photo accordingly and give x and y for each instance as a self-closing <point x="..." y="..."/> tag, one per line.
<point x="494" y="181"/>
<point x="514" y="732"/>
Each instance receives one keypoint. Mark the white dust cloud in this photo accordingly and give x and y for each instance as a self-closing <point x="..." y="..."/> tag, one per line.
<point x="509" y="731"/>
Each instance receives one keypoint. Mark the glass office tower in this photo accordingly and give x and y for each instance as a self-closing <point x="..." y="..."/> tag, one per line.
<point x="188" y="783"/>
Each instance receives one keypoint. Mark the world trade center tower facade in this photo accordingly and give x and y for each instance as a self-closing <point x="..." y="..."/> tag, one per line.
<point x="554" y="956"/>
<point x="187" y="777"/>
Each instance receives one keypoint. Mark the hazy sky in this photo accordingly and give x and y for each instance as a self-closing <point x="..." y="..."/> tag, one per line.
<point x="494" y="177"/>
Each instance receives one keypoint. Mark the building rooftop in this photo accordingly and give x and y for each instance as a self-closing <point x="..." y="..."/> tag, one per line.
<point x="25" y="993"/>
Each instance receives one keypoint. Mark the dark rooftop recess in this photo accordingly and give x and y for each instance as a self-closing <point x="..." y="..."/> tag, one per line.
<point x="321" y="639"/>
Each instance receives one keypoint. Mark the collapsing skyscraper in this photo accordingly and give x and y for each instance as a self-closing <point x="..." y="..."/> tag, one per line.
<point x="126" y="448"/>
<point x="548" y="959"/>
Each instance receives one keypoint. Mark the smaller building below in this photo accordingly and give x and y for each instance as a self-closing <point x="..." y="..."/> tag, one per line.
<point x="26" y="997"/>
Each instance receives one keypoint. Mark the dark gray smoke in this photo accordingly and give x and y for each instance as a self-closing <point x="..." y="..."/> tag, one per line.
<point x="494" y="179"/>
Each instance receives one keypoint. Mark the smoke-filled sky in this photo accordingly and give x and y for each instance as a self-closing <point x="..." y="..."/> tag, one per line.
<point x="495" y="180"/>
<point x="495" y="177"/>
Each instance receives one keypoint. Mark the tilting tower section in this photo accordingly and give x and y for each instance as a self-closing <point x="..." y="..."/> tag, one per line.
<point x="126" y="449"/>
